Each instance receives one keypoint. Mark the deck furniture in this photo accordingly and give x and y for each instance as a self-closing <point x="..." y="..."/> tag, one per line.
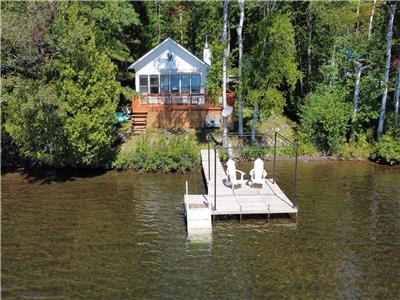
<point x="258" y="174"/>
<point x="231" y="180"/>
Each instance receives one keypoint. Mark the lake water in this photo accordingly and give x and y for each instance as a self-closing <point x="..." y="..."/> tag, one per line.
<point x="121" y="235"/>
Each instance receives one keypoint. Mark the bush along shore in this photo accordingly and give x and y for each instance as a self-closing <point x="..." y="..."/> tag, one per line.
<point x="169" y="153"/>
<point x="157" y="151"/>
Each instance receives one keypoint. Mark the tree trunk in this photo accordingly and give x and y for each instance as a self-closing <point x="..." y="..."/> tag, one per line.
<point x="387" y="69"/>
<point x="397" y="96"/>
<point x="309" y="39"/>
<point x="240" y="40"/>
<point x="224" y="58"/>
<point x="371" y="20"/>
<point x="356" y="95"/>
<point x="158" y="21"/>
<point x="254" y="127"/>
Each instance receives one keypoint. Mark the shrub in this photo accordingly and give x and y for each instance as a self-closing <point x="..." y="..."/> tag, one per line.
<point x="324" y="119"/>
<point x="387" y="149"/>
<point x="178" y="153"/>
<point x="250" y="153"/>
<point x="359" y="149"/>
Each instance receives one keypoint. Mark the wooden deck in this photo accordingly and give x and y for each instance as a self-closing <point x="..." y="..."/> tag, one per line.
<point x="268" y="199"/>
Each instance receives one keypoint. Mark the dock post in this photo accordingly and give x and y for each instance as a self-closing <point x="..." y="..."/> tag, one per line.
<point x="208" y="139"/>
<point x="273" y="170"/>
<point x="215" y="178"/>
<point x="295" y="178"/>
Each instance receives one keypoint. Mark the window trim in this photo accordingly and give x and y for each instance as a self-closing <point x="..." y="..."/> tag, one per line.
<point x="158" y="83"/>
<point x="191" y="85"/>
<point x="140" y="85"/>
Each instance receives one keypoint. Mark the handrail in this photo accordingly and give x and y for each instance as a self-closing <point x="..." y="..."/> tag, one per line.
<point x="276" y="134"/>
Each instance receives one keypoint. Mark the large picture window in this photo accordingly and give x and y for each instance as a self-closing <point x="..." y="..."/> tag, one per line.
<point x="195" y="83"/>
<point x="185" y="84"/>
<point x="154" y="89"/>
<point x="174" y="84"/>
<point x="164" y="80"/>
<point x="143" y="84"/>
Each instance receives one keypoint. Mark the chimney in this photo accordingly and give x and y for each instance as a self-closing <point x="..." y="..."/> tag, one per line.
<point x="207" y="54"/>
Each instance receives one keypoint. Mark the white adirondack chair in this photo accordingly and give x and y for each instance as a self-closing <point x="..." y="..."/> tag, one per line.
<point x="258" y="174"/>
<point x="231" y="179"/>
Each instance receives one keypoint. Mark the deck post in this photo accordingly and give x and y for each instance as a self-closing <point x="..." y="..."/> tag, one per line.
<point x="295" y="177"/>
<point x="215" y="178"/>
<point x="273" y="170"/>
<point x="208" y="139"/>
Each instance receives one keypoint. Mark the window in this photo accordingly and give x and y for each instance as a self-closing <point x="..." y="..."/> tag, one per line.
<point x="195" y="83"/>
<point x="154" y="84"/>
<point x="164" y="80"/>
<point x="143" y="84"/>
<point x="174" y="84"/>
<point x="185" y="81"/>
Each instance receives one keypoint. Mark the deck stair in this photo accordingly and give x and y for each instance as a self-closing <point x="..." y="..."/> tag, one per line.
<point x="139" y="121"/>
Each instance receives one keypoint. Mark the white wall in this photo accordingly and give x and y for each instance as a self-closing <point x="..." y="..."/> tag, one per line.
<point x="156" y="63"/>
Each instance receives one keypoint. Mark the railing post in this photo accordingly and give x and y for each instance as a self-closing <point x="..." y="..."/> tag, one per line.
<point x="295" y="177"/>
<point x="187" y="188"/>
<point x="273" y="170"/>
<point x="215" y="178"/>
<point x="209" y="177"/>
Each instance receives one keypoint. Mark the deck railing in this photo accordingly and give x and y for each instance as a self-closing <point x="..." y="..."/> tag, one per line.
<point x="180" y="99"/>
<point x="262" y="142"/>
<point x="173" y="99"/>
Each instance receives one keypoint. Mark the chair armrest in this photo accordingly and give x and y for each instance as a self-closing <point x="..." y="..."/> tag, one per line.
<point x="241" y="174"/>
<point x="264" y="174"/>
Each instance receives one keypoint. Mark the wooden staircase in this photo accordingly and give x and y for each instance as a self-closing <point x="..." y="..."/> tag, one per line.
<point x="139" y="121"/>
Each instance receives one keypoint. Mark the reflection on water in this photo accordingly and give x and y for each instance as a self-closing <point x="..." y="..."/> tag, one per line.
<point x="122" y="235"/>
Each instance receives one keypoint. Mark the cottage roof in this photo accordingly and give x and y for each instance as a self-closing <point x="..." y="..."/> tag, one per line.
<point x="168" y="42"/>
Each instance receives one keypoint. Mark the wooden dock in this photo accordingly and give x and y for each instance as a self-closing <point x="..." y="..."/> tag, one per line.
<point x="266" y="200"/>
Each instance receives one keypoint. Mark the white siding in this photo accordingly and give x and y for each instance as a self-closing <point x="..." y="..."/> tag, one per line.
<point x="156" y="62"/>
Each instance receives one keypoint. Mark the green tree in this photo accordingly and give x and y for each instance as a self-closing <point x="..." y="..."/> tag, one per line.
<point x="271" y="69"/>
<point x="325" y="118"/>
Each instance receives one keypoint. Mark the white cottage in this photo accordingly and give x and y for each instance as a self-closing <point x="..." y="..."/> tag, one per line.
<point x="171" y="82"/>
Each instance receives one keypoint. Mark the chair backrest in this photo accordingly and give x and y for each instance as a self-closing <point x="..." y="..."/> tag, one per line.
<point x="217" y="121"/>
<point x="258" y="169"/>
<point x="231" y="170"/>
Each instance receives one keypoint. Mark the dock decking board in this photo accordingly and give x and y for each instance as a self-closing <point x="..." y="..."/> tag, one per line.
<point x="269" y="199"/>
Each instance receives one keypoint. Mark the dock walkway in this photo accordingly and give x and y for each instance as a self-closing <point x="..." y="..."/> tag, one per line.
<point x="245" y="200"/>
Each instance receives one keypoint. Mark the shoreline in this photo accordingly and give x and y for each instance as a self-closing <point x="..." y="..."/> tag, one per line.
<point x="31" y="168"/>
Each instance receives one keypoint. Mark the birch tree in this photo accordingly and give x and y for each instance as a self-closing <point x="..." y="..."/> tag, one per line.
<point x="240" y="41"/>
<point x="397" y="95"/>
<point x="392" y="11"/>
<point x="224" y="75"/>
<point x="371" y="19"/>
<point x="358" y="70"/>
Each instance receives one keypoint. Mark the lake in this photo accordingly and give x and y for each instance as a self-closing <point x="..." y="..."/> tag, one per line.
<point x="122" y="235"/>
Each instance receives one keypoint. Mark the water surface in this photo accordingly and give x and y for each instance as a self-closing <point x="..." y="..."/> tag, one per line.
<point x="121" y="235"/>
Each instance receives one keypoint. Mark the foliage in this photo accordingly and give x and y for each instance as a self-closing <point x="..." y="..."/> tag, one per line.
<point x="214" y="76"/>
<point x="64" y="71"/>
<point x="178" y="153"/>
<point x="251" y="153"/>
<point x="387" y="149"/>
<point x="88" y="89"/>
<point x="360" y="149"/>
<point x="65" y="117"/>
<point x="324" y="119"/>
<point x="34" y="120"/>
<point x="271" y="65"/>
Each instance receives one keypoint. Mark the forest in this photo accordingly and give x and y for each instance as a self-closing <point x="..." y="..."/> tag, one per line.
<point x="331" y="69"/>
